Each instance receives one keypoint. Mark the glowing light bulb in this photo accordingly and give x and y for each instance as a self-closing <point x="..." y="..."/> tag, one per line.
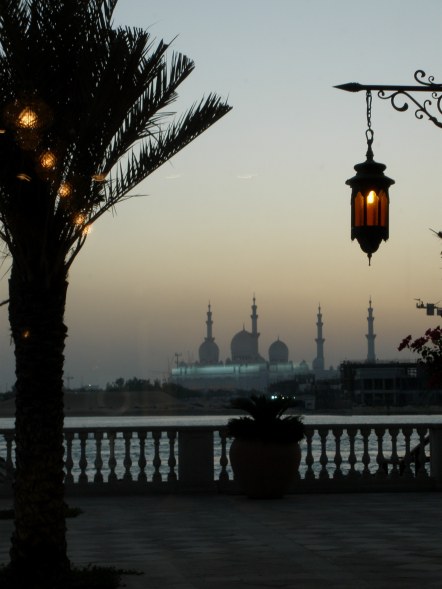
<point x="65" y="190"/>
<point x="79" y="219"/>
<point x="48" y="160"/>
<point x="27" y="118"/>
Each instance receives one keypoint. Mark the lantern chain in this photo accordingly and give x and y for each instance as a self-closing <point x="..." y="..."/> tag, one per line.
<point x="369" y="132"/>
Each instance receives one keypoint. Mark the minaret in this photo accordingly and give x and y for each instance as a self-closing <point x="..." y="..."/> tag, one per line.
<point x="371" y="356"/>
<point x="255" y="334"/>
<point x="208" y="350"/>
<point x="209" y="324"/>
<point x="318" y="362"/>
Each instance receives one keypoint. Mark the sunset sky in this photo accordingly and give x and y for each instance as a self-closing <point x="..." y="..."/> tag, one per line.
<point x="258" y="204"/>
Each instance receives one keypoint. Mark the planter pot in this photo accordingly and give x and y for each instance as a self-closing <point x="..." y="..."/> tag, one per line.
<point x="264" y="470"/>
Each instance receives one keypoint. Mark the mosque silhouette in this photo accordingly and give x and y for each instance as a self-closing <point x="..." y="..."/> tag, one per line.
<point x="246" y="369"/>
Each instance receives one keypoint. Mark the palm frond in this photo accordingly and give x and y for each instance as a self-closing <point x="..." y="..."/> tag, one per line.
<point x="103" y="95"/>
<point x="166" y="144"/>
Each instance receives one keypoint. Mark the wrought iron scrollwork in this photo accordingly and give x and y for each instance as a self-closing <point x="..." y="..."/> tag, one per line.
<point x="402" y="96"/>
<point x="399" y="98"/>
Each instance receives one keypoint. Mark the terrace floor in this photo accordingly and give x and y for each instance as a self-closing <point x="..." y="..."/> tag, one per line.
<point x="335" y="541"/>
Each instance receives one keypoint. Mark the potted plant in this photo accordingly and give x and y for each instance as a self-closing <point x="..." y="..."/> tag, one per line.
<point x="265" y="452"/>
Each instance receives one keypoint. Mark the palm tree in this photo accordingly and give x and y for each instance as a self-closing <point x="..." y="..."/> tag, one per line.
<point x="83" y="119"/>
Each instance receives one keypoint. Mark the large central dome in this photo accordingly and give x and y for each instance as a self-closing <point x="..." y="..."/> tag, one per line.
<point x="243" y="347"/>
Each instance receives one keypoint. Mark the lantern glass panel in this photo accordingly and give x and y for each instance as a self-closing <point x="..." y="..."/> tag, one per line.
<point x="359" y="217"/>
<point x="372" y="201"/>
<point x="383" y="201"/>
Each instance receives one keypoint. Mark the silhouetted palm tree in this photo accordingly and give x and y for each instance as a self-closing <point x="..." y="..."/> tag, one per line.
<point x="83" y="119"/>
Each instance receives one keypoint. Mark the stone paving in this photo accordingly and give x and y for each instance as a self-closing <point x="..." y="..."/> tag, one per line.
<point x="333" y="541"/>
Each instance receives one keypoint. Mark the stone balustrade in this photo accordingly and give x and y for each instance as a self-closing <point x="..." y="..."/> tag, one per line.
<point x="364" y="457"/>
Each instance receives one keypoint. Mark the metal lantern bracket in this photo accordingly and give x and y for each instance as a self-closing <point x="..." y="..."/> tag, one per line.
<point x="370" y="174"/>
<point x="401" y="96"/>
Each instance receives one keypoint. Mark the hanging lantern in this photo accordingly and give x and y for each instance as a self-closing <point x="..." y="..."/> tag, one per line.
<point x="369" y="198"/>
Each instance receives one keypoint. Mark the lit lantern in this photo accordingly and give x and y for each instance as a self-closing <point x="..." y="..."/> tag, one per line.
<point x="369" y="198"/>
<point x="369" y="204"/>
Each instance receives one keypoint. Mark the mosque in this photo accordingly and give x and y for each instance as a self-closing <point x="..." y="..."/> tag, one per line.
<point x="247" y="369"/>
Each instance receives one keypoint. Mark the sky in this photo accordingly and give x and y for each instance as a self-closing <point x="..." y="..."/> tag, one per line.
<point x="257" y="205"/>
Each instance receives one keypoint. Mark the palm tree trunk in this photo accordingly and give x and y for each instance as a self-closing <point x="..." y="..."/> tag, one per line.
<point x="36" y="313"/>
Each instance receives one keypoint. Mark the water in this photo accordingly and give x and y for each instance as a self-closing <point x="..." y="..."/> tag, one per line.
<point x="220" y="420"/>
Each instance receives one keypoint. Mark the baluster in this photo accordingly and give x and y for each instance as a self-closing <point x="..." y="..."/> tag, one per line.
<point x="224" y="475"/>
<point x="157" y="478"/>
<point x="112" y="460"/>
<point x="421" y="459"/>
<point x="127" y="458"/>
<point x="406" y="468"/>
<point x="83" y="459"/>
<point x="9" y="439"/>
<point x="337" y="432"/>
<point x="69" y="463"/>
<point x="380" y="460"/>
<point x="142" y="477"/>
<point x="323" y="460"/>
<point x="394" y="459"/>
<point x="172" y="460"/>
<point x="352" y="473"/>
<point x="365" y="432"/>
<point x="98" y="478"/>
<point x="309" y="460"/>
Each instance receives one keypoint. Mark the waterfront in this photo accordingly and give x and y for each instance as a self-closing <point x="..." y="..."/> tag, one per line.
<point x="166" y="421"/>
<point x="148" y="449"/>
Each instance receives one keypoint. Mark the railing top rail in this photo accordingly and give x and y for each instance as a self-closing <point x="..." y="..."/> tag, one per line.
<point x="222" y="427"/>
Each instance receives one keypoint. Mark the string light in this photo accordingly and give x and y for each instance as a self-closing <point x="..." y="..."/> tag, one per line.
<point x="48" y="160"/>
<point x="64" y="190"/>
<point x="27" y="118"/>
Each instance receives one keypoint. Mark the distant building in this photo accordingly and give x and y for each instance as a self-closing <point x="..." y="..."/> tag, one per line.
<point x="246" y="369"/>
<point x="387" y="384"/>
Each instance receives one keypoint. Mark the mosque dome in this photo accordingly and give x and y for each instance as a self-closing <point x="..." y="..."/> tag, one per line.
<point x="278" y="352"/>
<point x="243" y="346"/>
<point x="208" y="352"/>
